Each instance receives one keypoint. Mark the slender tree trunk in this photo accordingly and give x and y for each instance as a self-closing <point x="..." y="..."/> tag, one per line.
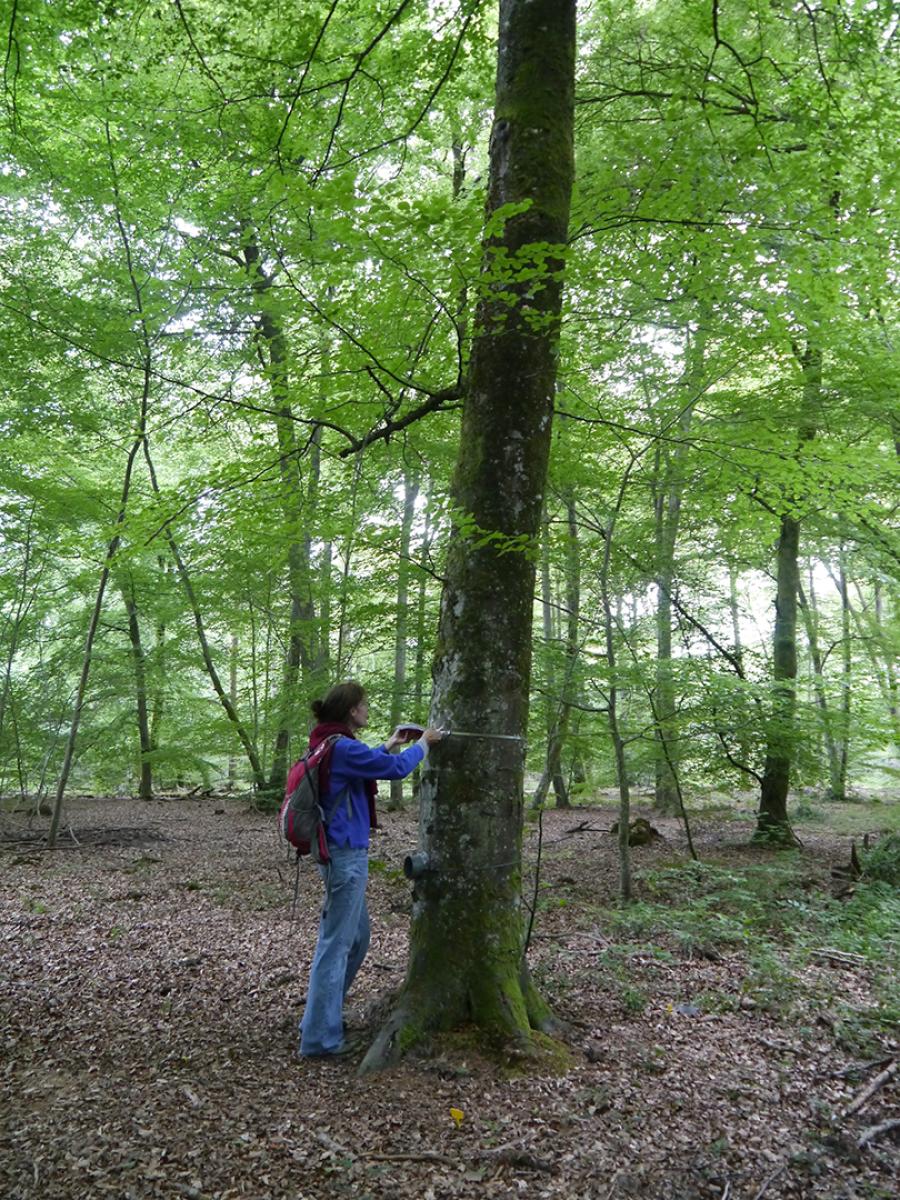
<point x="347" y="556"/>
<point x="323" y="657"/>
<point x="573" y="633"/>
<point x="871" y="633"/>
<point x="667" y="504"/>
<point x="23" y="604"/>
<point x="552" y="698"/>
<point x="562" y="692"/>
<point x="839" y="785"/>
<point x="467" y="939"/>
<point x="808" y="610"/>
<point x="232" y="695"/>
<point x="743" y="730"/>
<point x="157" y="703"/>
<point x="208" y="662"/>
<point x="401" y="627"/>
<point x="297" y="512"/>
<point x="421" y="607"/>
<point x="772" y="820"/>
<point x="612" y="714"/>
<point x="112" y="547"/>
<point x="254" y="669"/>
<point x="145" y="742"/>
<point x="889" y="654"/>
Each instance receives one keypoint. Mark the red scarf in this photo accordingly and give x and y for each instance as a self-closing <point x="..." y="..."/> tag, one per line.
<point x="327" y="729"/>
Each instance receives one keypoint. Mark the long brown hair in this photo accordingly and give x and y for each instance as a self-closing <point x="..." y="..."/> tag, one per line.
<point x="336" y="705"/>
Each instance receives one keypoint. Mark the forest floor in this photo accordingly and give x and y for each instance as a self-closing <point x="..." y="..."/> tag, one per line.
<point x="152" y="978"/>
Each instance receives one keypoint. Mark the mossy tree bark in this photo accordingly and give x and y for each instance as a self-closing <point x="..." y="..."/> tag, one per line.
<point x="466" y="952"/>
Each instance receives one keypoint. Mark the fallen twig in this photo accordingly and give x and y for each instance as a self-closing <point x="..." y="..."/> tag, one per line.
<point x="423" y="1156"/>
<point x="868" y="1092"/>
<point x="767" y="1183"/>
<point x="780" y="1047"/>
<point x="874" y="1131"/>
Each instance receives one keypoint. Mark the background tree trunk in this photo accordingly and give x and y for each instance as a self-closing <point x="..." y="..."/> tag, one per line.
<point x="401" y="628"/>
<point x="208" y="662"/>
<point x="145" y="741"/>
<point x="467" y="937"/>
<point x="772" y="820"/>
<point x="809" y="612"/>
<point x="667" y="505"/>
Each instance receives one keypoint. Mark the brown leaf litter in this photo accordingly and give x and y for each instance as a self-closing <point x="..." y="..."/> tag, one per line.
<point x="150" y="990"/>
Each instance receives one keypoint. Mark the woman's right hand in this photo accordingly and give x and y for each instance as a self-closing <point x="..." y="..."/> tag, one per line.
<point x="432" y="736"/>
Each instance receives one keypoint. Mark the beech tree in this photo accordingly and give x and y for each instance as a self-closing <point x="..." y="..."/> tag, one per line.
<point x="466" y="948"/>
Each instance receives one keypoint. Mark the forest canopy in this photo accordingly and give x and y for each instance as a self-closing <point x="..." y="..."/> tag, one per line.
<point x="240" y="271"/>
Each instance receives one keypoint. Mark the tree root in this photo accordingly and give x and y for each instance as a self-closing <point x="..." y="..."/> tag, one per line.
<point x="514" y="1043"/>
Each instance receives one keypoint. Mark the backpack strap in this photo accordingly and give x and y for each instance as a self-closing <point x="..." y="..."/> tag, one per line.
<point x="345" y="794"/>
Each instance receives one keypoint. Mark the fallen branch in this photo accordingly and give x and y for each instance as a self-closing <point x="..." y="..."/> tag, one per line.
<point x="874" y="1131"/>
<point x="841" y="956"/>
<point x="858" y="1068"/>
<point x="502" y="1156"/>
<point x="868" y="1092"/>
<point x="585" y="827"/>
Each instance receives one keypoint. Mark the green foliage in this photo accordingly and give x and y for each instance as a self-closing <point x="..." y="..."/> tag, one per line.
<point x="205" y="204"/>
<point x="881" y="864"/>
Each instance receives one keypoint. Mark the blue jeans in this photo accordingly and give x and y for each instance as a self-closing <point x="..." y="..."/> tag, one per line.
<point x="341" y="948"/>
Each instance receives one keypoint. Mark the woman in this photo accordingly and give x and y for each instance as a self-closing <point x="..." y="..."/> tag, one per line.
<point x="347" y="787"/>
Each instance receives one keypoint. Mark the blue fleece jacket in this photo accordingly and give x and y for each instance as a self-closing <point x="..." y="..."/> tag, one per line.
<point x="352" y="762"/>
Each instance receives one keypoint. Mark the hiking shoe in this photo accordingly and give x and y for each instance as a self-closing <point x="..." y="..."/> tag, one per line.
<point x="350" y="1045"/>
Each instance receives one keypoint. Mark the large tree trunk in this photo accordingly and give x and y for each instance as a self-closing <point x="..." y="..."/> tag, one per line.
<point x="772" y="819"/>
<point x="467" y="939"/>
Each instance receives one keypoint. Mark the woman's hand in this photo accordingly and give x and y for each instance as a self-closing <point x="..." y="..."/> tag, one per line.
<point x="433" y="736"/>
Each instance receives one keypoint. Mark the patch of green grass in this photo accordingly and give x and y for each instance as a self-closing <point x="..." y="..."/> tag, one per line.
<point x="855" y="818"/>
